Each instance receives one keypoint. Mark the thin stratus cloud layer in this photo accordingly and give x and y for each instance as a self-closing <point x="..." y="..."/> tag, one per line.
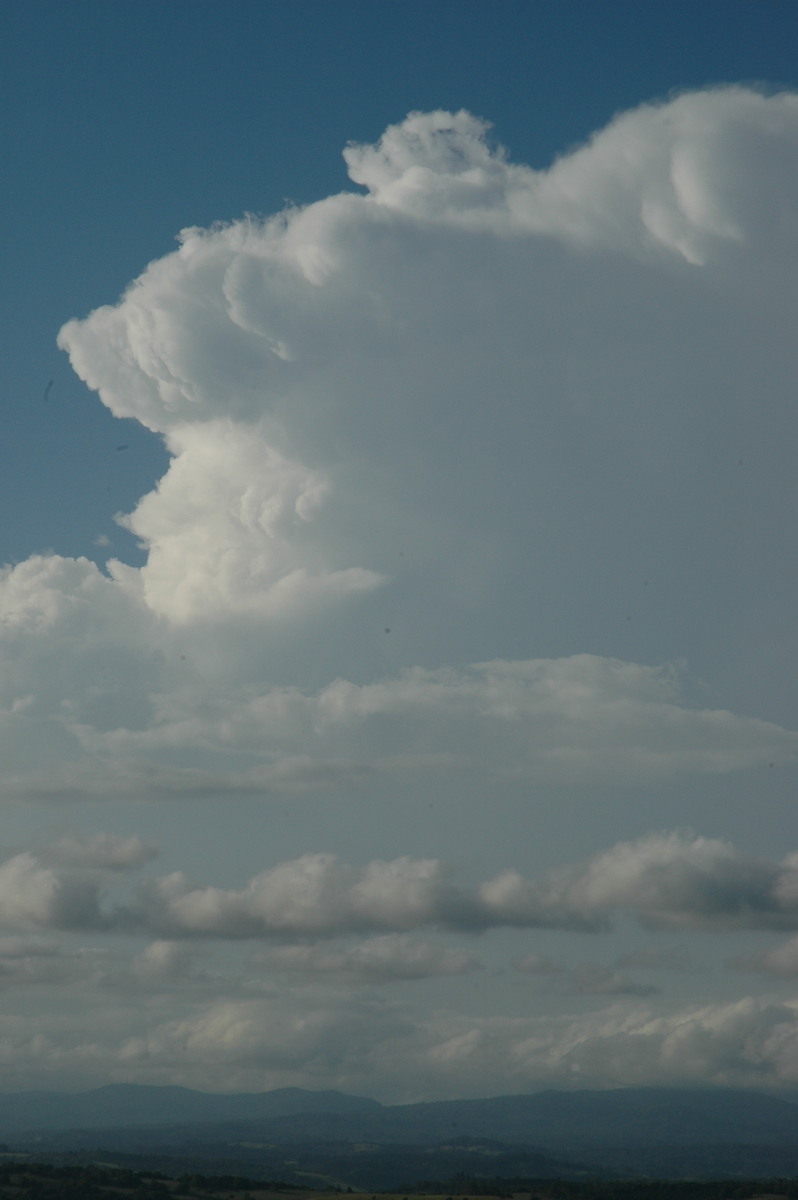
<point x="478" y="495"/>
<point x="582" y="719"/>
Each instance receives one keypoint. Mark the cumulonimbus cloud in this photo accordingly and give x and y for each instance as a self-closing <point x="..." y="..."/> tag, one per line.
<point x="413" y="431"/>
<point x="373" y="403"/>
<point x="291" y="364"/>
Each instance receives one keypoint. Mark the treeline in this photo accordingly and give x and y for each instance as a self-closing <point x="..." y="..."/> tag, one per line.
<point x="27" y="1180"/>
<point x="43" y="1181"/>
<point x="612" y="1189"/>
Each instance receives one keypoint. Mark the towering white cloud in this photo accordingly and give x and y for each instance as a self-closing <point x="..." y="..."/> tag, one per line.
<point x="416" y="369"/>
<point x="455" y="458"/>
<point x="670" y="178"/>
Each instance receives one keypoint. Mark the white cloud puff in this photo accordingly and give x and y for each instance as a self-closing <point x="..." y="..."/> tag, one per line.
<point x="313" y="894"/>
<point x="223" y="531"/>
<point x="665" y="176"/>
<point x="668" y="881"/>
<point x="32" y="896"/>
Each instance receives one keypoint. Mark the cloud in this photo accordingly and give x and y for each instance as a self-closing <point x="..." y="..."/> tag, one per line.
<point x="658" y="958"/>
<point x="33" y="960"/>
<point x="162" y="961"/>
<point x="101" y="851"/>
<point x="749" y="1042"/>
<point x="384" y="959"/>
<point x="34" y="896"/>
<point x="593" y="980"/>
<point x="427" y="368"/>
<point x="282" y="1040"/>
<point x="97" y="697"/>
<point x="126" y="718"/>
<point x="60" y="887"/>
<point x="668" y="881"/>
<point x="780" y="960"/>
<point x="587" y="980"/>
<point x="469" y="404"/>
<point x="538" y="964"/>
<point x="573" y="719"/>
<point x="314" y="894"/>
<point x="27" y="947"/>
<point x="659" y="178"/>
<point x="418" y="400"/>
<point x="358" y="1042"/>
<point x="224" y="528"/>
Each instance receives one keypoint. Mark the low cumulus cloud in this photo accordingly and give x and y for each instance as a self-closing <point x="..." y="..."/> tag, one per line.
<point x="314" y="894"/>
<point x="277" y="1022"/>
<point x="746" y="1043"/>
<point x="163" y="961"/>
<point x="360" y="1043"/>
<point x="668" y="881"/>
<point x="36" y="896"/>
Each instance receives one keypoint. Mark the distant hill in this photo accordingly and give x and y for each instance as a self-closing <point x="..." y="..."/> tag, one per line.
<point x="122" y="1104"/>
<point x="647" y="1116"/>
<point x="354" y="1141"/>
<point x="552" y="1120"/>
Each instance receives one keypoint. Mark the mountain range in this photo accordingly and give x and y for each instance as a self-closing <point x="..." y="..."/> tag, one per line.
<point x="342" y="1140"/>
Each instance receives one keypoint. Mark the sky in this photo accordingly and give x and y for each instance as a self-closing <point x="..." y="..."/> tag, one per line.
<point x="398" y="685"/>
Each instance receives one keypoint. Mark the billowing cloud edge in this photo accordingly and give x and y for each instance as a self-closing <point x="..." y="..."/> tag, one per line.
<point x="669" y="881"/>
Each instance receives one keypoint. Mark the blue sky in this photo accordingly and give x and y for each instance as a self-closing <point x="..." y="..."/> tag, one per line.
<point x="431" y="713"/>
